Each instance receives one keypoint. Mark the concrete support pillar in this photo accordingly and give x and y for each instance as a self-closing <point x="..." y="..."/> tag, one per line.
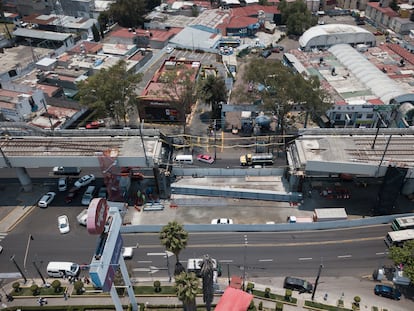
<point x="24" y="179"/>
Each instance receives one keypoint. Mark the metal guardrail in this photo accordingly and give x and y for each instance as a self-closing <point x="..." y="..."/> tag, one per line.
<point x="368" y="221"/>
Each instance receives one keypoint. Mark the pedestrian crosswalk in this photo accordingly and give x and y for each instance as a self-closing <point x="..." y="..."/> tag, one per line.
<point x="2" y="236"/>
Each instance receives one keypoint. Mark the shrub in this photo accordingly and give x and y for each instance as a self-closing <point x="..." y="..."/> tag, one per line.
<point x="279" y="306"/>
<point x="56" y="285"/>
<point x="16" y="287"/>
<point x="355" y="304"/>
<point x="252" y="307"/>
<point x="340" y="303"/>
<point x="267" y="292"/>
<point x="78" y="286"/>
<point x="157" y="286"/>
<point x="374" y="308"/>
<point x="288" y="295"/>
<point x="250" y="287"/>
<point x="34" y="289"/>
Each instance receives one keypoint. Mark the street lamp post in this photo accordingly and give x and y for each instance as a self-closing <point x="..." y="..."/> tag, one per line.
<point x="30" y="238"/>
<point x="244" y="261"/>
<point x="317" y="280"/>
<point x="40" y="273"/>
<point x="18" y="268"/>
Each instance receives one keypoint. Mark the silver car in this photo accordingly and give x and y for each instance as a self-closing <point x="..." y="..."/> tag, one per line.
<point x="46" y="199"/>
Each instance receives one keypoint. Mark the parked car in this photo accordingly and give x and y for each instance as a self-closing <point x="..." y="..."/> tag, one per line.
<point x="387" y="291"/>
<point x="62" y="184"/>
<point x="102" y="193"/>
<point x="84" y="180"/>
<point x="297" y="284"/>
<point x="222" y="221"/>
<point x="266" y="53"/>
<point x="95" y="124"/>
<point x="127" y="252"/>
<point x="71" y="194"/>
<point x="169" y="49"/>
<point x="88" y="195"/>
<point x="63" y="224"/>
<point x="1" y="249"/>
<point x="82" y="217"/>
<point x="205" y="158"/>
<point x="66" y="170"/>
<point x="46" y="199"/>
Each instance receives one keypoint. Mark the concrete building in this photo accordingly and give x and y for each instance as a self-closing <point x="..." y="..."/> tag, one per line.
<point x="158" y="105"/>
<point x="325" y="36"/>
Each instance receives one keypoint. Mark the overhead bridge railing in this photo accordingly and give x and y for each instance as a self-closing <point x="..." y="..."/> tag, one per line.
<point x="238" y="193"/>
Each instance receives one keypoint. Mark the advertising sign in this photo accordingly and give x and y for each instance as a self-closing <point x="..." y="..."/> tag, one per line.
<point x="97" y="213"/>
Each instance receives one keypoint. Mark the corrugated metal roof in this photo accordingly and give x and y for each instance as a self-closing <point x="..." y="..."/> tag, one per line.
<point x="379" y="83"/>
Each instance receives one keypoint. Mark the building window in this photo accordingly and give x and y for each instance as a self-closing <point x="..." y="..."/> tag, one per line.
<point x="359" y="116"/>
<point x="370" y="115"/>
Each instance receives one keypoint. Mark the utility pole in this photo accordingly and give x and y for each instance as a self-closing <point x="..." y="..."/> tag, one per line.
<point x="215" y="139"/>
<point x="317" y="280"/>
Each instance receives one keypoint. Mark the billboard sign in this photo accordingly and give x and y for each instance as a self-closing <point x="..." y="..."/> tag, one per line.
<point x="97" y="213"/>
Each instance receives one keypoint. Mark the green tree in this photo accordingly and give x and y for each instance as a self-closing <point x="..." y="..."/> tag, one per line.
<point x="207" y="270"/>
<point x="34" y="289"/>
<point x="95" y="32"/>
<point x="212" y="90"/>
<point x="103" y="20"/>
<point x="296" y="16"/>
<point x="179" y="90"/>
<point x="394" y="5"/>
<point x="174" y="238"/>
<point x="186" y="286"/>
<point x="16" y="287"/>
<point x="128" y="13"/>
<point x="281" y="88"/>
<point x="405" y="256"/>
<point x="110" y="92"/>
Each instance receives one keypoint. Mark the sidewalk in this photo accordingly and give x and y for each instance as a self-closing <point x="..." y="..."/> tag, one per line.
<point x="332" y="289"/>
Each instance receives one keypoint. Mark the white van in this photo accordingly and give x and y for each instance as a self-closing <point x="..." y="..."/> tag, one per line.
<point x="60" y="269"/>
<point x="184" y="158"/>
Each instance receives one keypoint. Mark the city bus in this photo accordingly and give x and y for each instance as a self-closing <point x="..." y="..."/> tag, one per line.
<point x="398" y="238"/>
<point x="402" y="223"/>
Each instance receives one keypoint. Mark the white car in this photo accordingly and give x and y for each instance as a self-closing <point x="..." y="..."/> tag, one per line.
<point x="222" y="221"/>
<point x="62" y="184"/>
<point x="84" y="180"/>
<point x="46" y="199"/>
<point x="63" y="224"/>
<point x="169" y="49"/>
<point x="127" y="252"/>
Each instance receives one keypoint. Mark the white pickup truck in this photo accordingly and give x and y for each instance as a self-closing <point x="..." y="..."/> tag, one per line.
<point x="82" y="217"/>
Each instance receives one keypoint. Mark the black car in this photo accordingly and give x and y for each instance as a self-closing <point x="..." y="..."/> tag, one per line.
<point x="297" y="284"/>
<point x="387" y="291"/>
<point x="266" y="53"/>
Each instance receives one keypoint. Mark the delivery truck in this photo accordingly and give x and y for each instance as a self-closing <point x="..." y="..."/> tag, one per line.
<point x="329" y="214"/>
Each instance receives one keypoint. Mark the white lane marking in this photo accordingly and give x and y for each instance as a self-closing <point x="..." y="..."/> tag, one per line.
<point x="306" y="258"/>
<point x="345" y="256"/>
<point x="265" y="260"/>
<point x="144" y="261"/>
<point x="226" y="260"/>
<point x="382" y="253"/>
<point x="155" y="254"/>
<point x="141" y="270"/>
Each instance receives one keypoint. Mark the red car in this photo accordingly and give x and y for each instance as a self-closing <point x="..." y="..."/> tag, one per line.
<point x="205" y="158"/>
<point x="95" y="124"/>
<point x="71" y="194"/>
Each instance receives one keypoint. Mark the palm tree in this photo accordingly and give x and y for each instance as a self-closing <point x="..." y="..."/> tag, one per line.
<point x="174" y="238"/>
<point x="213" y="90"/>
<point x="207" y="268"/>
<point x="186" y="286"/>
